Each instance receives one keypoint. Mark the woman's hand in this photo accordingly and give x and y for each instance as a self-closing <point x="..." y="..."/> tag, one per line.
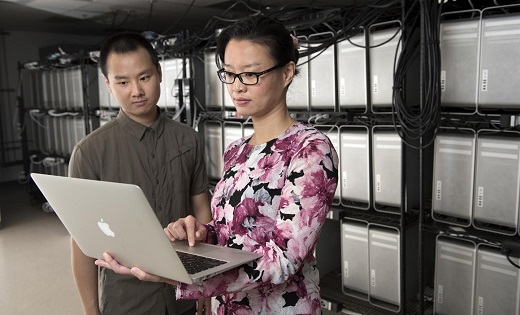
<point x="187" y="228"/>
<point x="204" y="306"/>
<point x="110" y="263"/>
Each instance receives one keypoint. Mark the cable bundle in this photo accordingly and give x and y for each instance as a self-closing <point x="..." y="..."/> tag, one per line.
<point x="420" y="121"/>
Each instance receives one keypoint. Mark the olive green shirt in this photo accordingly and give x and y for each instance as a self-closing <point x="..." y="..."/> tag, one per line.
<point x="166" y="160"/>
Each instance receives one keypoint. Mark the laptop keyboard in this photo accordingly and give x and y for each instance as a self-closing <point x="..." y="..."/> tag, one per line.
<point x="195" y="263"/>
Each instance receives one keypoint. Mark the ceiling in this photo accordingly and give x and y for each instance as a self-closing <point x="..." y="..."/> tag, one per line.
<point x="101" y="17"/>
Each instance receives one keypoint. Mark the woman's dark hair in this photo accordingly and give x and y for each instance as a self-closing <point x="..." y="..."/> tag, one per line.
<point x="122" y="43"/>
<point x="261" y="30"/>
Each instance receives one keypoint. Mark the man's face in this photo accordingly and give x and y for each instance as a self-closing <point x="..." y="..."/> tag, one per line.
<point x="134" y="81"/>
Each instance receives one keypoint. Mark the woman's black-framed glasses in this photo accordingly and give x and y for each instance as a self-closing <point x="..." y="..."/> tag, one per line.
<point x="247" y="78"/>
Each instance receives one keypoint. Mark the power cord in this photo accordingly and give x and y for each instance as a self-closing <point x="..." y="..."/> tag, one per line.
<point x="511" y="261"/>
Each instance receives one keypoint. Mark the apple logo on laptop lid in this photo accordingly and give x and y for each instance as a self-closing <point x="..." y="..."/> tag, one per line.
<point x="105" y="227"/>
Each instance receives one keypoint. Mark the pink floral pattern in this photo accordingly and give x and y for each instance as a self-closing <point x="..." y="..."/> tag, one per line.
<point x="272" y="199"/>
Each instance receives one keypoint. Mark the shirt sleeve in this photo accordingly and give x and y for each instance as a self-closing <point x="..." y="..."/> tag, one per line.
<point x="302" y="207"/>
<point x="199" y="179"/>
<point x="80" y="166"/>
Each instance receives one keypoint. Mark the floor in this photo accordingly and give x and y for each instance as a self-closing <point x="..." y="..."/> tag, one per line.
<point x="35" y="271"/>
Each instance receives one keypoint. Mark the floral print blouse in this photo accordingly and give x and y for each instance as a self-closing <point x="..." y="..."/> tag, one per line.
<point x="272" y="199"/>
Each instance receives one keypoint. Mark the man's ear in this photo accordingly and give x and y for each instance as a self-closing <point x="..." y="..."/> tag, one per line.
<point x="108" y="85"/>
<point x="159" y="70"/>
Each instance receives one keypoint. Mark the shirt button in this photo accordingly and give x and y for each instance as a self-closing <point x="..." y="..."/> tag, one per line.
<point x="153" y="156"/>
<point x="157" y="181"/>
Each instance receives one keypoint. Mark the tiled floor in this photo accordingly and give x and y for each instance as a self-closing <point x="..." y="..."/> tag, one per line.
<point x="35" y="271"/>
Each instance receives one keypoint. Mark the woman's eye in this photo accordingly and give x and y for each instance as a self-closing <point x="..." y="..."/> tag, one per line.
<point x="249" y="74"/>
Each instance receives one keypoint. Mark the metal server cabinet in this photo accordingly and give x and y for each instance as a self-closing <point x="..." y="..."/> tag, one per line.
<point x="499" y="59"/>
<point x="459" y="63"/>
<point x="355" y="166"/>
<point x="495" y="204"/>
<point x="214" y="88"/>
<point x="387" y="165"/>
<point x="333" y="133"/>
<point x="298" y="93"/>
<point x="453" y="170"/>
<point x="454" y="276"/>
<point x="497" y="283"/>
<point x="384" y="252"/>
<point x="352" y="74"/>
<point x="161" y="102"/>
<point x="381" y="60"/>
<point x="232" y="132"/>
<point x="322" y="77"/>
<point x="354" y="262"/>
<point x="69" y="86"/>
<point x="213" y="148"/>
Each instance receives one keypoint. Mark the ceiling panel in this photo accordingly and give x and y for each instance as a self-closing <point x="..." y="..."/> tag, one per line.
<point x="101" y="17"/>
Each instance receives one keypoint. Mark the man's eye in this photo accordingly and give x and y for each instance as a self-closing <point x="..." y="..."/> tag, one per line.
<point x="122" y="83"/>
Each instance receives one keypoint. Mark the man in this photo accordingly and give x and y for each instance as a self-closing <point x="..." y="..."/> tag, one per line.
<point x="142" y="147"/>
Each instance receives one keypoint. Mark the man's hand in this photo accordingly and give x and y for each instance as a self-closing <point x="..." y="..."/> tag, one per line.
<point x="110" y="263"/>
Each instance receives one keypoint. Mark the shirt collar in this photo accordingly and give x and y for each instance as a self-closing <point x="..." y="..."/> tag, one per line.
<point x="136" y="129"/>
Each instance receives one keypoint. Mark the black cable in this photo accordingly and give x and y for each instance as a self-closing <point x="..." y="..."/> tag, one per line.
<point x="150" y="15"/>
<point x="416" y="123"/>
<point x="180" y="19"/>
<point x="511" y="261"/>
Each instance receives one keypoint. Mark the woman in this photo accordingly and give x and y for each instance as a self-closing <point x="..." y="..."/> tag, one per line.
<point x="276" y="189"/>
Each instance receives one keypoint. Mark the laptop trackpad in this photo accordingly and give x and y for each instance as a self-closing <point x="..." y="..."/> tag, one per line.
<point x="198" y="249"/>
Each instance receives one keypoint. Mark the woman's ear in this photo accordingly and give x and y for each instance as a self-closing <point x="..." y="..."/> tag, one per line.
<point x="289" y="71"/>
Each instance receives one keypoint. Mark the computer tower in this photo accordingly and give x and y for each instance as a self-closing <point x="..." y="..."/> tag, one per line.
<point x="46" y="89"/>
<point x="497" y="184"/>
<point x="79" y="129"/>
<point x="322" y="78"/>
<point x="232" y="132"/>
<point x="386" y="166"/>
<point x="67" y="88"/>
<point x="453" y="173"/>
<point x="106" y="99"/>
<point x="497" y="289"/>
<point x="459" y="46"/>
<point x="298" y="92"/>
<point x="78" y="101"/>
<point x="381" y="60"/>
<point x="354" y="262"/>
<point x="333" y="133"/>
<point x="213" y="148"/>
<point x="352" y="75"/>
<point x="247" y="129"/>
<point x="214" y="88"/>
<point x="499" y="59"/>
<point x="386" y="266"/>
<point x="354" y="181"/>
<point x="172" y="70"/>
<point x="454" y="276"/>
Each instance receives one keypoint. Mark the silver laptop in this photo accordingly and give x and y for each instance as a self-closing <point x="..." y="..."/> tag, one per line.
<point x="118" y="219"/>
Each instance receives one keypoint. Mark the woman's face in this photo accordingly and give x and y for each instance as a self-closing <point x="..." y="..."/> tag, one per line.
<point x="268" y="94"/>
